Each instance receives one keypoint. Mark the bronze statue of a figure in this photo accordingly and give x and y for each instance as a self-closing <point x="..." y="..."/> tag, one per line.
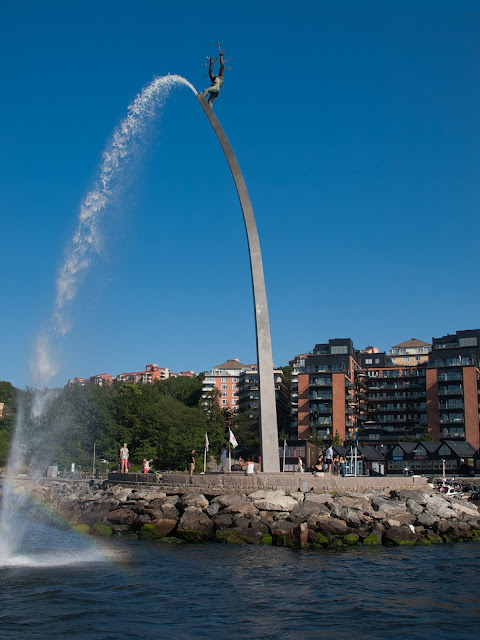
<point x="217" y="81"/>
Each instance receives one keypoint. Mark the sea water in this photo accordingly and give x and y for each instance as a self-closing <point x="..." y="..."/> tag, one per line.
<point x="65" y="586"/>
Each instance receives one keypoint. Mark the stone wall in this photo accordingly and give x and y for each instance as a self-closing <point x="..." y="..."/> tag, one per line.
<point x="331" y="516"/>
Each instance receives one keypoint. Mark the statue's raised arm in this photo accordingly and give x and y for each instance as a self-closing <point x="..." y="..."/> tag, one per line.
<point x="217" y="81"/>
<point x="222" y="64"/>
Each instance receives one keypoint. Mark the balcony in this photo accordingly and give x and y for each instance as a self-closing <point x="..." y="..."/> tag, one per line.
<point x="317" y="409"/>
<point x="451" y="391"/>
<point x="321" y="422"/>
<point x="450" y="407"/>
<point x="450" y="377"/>
<point x="320" y="383"/>
<point x="455" y="435"/>
<point x="452" y="420"/>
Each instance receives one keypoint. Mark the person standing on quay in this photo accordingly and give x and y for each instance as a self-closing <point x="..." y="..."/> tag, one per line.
<point x="223" y="458"/>
<point x="329" y="458"/>
<point x="191" y="462"/>
<point x="124" y="458"/>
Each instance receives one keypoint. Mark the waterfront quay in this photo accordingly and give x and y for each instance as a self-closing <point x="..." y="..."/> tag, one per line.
<point x="291" y="510"/>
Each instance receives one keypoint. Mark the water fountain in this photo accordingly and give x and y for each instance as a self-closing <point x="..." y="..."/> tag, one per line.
<point x="85" y="244"/>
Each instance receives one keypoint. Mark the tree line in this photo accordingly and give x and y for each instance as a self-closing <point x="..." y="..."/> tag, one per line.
<point x="162" y="421"/>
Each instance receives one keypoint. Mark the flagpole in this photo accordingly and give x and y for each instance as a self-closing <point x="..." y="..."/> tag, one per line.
<point x="229" y="456"/>
<point x="284" y="445"/>
<point x="204" y="459"/>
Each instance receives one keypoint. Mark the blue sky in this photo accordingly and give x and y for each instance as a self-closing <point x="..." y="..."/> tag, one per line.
<point x="357" y="128"/>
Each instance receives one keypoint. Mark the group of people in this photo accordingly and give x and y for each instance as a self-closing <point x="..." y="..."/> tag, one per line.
<point x="327" y="463"/>
<point x="248" y="465"/>
<point x="125" y="465"/>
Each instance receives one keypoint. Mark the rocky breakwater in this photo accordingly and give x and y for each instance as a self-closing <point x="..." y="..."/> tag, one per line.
<point x="279" y="517"/>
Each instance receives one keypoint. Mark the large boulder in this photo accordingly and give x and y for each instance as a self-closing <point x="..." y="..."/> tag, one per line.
<point x="223" y="520"/>
<point x="414" y="507"/>
<point x="122" y="516"/>
<point x="418" y="495"/>
<point x="170" y="511"/>
<point x="273" y="502"/>
<point x="195" y="525"/>
<point x="466" y="510"/>
<point x="228" y="499"/>
<point x="330" y="525"/>
<point x="250" y="530"/>
<point x="163" y="526"/>
<point x="438" y="506"/>
<point x="242" y="507"/>
<point x="401" y="535"/>
<point x="289" y="534"/>
<point x="388" y="508"/>
<point x="427" y="519"/>
<point x="303" y="511"/>
<point x="193" y="499"/>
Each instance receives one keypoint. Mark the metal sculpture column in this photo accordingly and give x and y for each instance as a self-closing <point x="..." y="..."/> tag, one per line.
<point x="266" y="383"/>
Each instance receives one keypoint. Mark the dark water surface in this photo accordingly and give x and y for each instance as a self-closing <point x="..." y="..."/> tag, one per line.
<point x="136" y="589"/>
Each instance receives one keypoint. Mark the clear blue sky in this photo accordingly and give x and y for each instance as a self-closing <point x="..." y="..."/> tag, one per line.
<point x="356" y="125"/>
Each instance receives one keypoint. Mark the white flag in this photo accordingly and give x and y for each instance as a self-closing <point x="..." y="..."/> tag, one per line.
<point x="233" y="440"/>
<point x="206" y="441"/>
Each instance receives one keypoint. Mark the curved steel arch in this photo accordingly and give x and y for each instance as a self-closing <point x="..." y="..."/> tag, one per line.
<point x="266" y="387"/>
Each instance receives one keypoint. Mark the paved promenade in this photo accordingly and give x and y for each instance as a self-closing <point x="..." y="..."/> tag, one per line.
<point x="287" y="481"/>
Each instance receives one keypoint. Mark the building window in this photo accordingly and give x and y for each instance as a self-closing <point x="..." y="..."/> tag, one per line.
<point x="224" y="402"/>
<point x="224" y="394"/>
<point x="405" y="359"/>
<point x="235" y="379"/>
<point x="224" y="379"/>
<point x="368" y="361"/>
<point x="234" y="401"/>
<point x="209" y="379"/>
<point x="224" y="386"/>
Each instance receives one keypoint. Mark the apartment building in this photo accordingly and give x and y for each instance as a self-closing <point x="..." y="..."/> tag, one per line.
<point x="102" y="379"/>
<point x="152" y="373"/>
<point x="337" y="388"/>
<point x="249" y="396"/>
<point x="410" y="353"/>
<point x="226" y="378"/>
<point x="324" y="390"/>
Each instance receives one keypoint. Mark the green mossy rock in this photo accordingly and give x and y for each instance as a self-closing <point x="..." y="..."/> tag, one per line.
<point x="352" y="538"/>
<point x="475" y="534"/>
<point x="228" y="537"/>
<point x="322" y="539"/>
<point x="336" y="542"/>
<point x="171" y="540"/>
<point x="102" y="529"/>
<point x="130" y="535"/>
<point x="81" y="528"/>
<point x="424" y="542"/>
<point x="266" y="539"/>
<point x="372" y="539"/>
<point x="148" y="532"/>
<point x="191" y="535"/>
<point x="434" y="538"/>
<point x="282" y="540"/>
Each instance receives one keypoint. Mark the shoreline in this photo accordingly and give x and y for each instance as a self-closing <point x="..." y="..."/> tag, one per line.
<point x="237" y="509"/>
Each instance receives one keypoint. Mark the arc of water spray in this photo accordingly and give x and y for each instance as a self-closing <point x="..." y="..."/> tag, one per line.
<point x="84" y="245"/>
<point x="86" y="241"/>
